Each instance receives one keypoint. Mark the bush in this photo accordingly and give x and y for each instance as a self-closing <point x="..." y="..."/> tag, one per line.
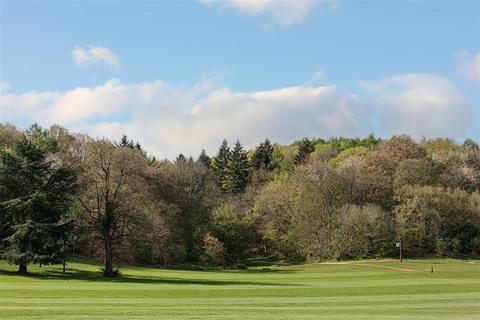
<point x="212" y="251"/>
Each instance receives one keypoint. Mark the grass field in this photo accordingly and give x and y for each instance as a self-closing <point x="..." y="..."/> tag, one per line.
<point x="356" y="290"/>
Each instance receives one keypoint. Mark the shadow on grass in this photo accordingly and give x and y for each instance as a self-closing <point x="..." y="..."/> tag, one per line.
<point x="83" y="275"/>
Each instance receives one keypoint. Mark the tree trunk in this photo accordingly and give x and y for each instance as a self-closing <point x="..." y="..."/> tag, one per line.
<point x="22" y="267"/>
<point x="108" y="272"/>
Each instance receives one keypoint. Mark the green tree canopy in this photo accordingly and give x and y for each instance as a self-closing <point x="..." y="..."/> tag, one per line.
<point x="238" y="171"/>
<point x="35" y="195"/>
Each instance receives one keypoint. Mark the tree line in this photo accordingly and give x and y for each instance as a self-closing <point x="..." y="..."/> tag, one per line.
<point x="66" y="195"/>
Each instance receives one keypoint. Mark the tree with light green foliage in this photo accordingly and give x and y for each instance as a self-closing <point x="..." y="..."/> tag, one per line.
<point x="347" y="153"/>
<point x="469" y="144"/>
<point x="437" y="220"/>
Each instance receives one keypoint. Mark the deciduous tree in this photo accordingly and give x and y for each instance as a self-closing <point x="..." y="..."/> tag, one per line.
<point x="113" y="190"/>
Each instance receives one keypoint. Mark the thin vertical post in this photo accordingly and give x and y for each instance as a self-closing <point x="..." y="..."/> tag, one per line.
<point x="401" y="258"/>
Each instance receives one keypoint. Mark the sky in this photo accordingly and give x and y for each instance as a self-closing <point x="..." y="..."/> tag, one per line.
<point x="179" y="76"/>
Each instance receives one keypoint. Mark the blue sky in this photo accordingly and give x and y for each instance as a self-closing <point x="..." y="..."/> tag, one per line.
<point x="171" y="72"/>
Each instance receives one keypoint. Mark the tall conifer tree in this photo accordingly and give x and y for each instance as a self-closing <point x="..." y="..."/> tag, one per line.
<point x="262" y="155"/>
<point x="238" y="171"/>
<point x="220" y="162"/>
<point x="35" y="195"/>
<point x="204" y="159"/>
<point x="305" y="148"/>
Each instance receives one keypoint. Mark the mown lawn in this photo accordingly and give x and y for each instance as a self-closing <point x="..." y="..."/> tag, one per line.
<point x="357" y="290"/>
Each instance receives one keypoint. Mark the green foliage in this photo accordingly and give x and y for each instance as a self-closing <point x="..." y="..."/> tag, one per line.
<point x="347" y="153"/>
<point x="263" y="155"/>
<point x="220" y="163"/>
<point x="283" y="159"/>
<point x="126" y="143"/>
<point x="415" y="172"/>
<point x="237" y="173"/>
<point x="180" y="158"/>
<point x="35" y="195"/>
<point x="305" y="147"/>
<point x="436" y="220"/>
<point x="341" y="144"/>
<point x="213" y="254"/>
<point x="364" y="231"/>
<point x="311" y="200"/>
<point x="191" y="187"/>
<point x="469" y="144"/>
<point x="156" y="237"/>
<point x="324" y="152"/>
<point x="439" y="144"/>
<point x="230" y="227"/>
<point x="204" y="159"/>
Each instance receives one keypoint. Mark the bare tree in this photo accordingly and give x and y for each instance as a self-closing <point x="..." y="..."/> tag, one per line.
<point x="113" y="185"/>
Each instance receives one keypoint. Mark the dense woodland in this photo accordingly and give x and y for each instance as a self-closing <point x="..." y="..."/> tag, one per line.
<point x="64" y="194"/>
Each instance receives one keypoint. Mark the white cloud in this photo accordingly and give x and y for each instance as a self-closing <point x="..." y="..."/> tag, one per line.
<point x="4" y="86"/>
<point x="94" y="56"/>
<point x="168" y="119"/>
<point x="283" y="12"/>
<point x="185" y="121"/>
<point x="421" y="105"/>
<point x="67" y="107"/>
<point x="468" y="64"/>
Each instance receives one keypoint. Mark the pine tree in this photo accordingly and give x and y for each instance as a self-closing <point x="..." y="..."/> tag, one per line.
<point x="470" y="144"/>
<point x="181" y="158"/>
<point x="220" y="162"/>
<point x="35" y="196"/>
<point x="262" y="155"/>
<point x="124" y="141"/>
<point x="304" y="149"/>
<point x="369" y="141"/>
<point x="237" y="174"/>
<point x="204" y="159"/>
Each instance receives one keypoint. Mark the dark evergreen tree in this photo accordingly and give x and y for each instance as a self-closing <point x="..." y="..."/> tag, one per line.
<point x="304" y="149"/>
<point x="369" y="141"/>
<point x="181" y="158"/>
<point x="220" y="162"/>
<point x="35" y="195"/>
<point x="124" y="141"/>
<point x="262" y="155"/>
<point x="204" y="159"/>
<point x="237" y="174"/>
<point x="470" y="144"/>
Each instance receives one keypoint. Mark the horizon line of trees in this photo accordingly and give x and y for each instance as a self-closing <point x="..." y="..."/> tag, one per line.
<point x="65" y="194"/>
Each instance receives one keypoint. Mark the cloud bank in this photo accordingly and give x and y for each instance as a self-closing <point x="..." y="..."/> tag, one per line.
<point x="94" y="56"/>
<point x="285" y="12"/>
<point x="168" y="119"/>
<point x="421" y="105"/>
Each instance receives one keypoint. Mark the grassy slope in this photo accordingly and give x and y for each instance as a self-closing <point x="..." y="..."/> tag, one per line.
<point x="360" y="290"/>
